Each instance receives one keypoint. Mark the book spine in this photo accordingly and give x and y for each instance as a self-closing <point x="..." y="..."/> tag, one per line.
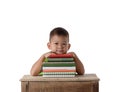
<point x="69" y="68"/>
<point x="58" y="64"/>
<point x="59" y="70"/>
<point x="59" y="76"/>
<point x="59" y="73"/>
<point x="61" y="56"/>
<point x="59" y="59"/>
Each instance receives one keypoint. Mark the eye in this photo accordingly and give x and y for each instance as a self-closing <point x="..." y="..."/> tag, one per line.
<point x="64" y="44"/>
<point x="56" y="43"/>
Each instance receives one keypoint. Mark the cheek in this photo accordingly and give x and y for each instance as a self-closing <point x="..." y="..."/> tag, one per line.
<point x="53" y="47"/>
<point x="67" y="48"/>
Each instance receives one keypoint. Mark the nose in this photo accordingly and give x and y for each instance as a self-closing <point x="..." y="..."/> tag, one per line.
<point x="60" y="46"/>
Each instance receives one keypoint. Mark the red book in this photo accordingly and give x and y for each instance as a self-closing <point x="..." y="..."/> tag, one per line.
<point x="60" y="56"/>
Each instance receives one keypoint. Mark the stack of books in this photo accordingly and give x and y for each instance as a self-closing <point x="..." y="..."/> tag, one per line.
<point x="61" y="65"/>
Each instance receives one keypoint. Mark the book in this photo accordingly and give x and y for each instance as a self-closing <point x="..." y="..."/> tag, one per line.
<point x="62" y="68"/>
<point x="41" y="73"/>
<point x="59" y="70"/>
<point x="58" y="64"/>
<point x="59" y="59"/>
<point x="60" y="56"/>
<point x="59" y="73"/>
<point x="59" y="76"/>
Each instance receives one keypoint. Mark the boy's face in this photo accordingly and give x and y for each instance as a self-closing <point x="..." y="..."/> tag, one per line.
<point x="59" y="44"/>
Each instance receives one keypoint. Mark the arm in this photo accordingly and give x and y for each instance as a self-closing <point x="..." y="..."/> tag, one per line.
<point x="79" y="66"/>
<point x="37" y="66"/>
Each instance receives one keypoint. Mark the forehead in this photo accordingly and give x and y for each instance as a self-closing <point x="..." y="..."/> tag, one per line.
<point x="59" y="38"/>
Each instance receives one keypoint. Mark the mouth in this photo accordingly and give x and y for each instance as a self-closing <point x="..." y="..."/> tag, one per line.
<point x="59" y="51"/>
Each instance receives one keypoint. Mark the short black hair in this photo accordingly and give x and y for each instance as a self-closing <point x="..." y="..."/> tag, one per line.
<point x="60" y="32"/>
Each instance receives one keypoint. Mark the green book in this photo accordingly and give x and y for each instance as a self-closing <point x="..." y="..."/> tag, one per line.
<point x="41" y="73"/>
<point x="58" y="64"/>
<point x="59" y="59"/>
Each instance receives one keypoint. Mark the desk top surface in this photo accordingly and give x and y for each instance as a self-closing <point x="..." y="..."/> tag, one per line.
<point x="85" y="77"/>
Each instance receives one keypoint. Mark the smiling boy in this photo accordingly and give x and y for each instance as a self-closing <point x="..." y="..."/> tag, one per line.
<point x="58" y="44"/>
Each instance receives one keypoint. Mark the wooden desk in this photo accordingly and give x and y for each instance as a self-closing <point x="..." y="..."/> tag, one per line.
<point x="80" y="83"/>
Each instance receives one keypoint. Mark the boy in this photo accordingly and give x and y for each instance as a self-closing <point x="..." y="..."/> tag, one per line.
<point x="58" y="44"/>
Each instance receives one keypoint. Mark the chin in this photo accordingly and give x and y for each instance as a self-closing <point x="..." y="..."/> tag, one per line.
<point x="60" y="53"/>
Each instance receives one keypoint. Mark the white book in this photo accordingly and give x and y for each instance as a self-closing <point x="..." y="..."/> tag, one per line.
<point x="58" y="75"/>
<point x="69" y="68"/>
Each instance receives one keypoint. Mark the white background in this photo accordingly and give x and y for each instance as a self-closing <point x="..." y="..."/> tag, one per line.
<point x="94" y="35"/>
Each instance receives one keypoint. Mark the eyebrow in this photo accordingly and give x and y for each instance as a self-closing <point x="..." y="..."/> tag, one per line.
<point x="58" y="41"/>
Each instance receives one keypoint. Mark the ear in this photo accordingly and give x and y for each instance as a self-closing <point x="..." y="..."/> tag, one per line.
<point x="48" y="45"/>
<point x="69" y="45"/>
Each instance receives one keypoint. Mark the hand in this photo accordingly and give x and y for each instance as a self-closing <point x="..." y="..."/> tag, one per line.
<point x="48" y="54"/>
<point x="73" y="54"/>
